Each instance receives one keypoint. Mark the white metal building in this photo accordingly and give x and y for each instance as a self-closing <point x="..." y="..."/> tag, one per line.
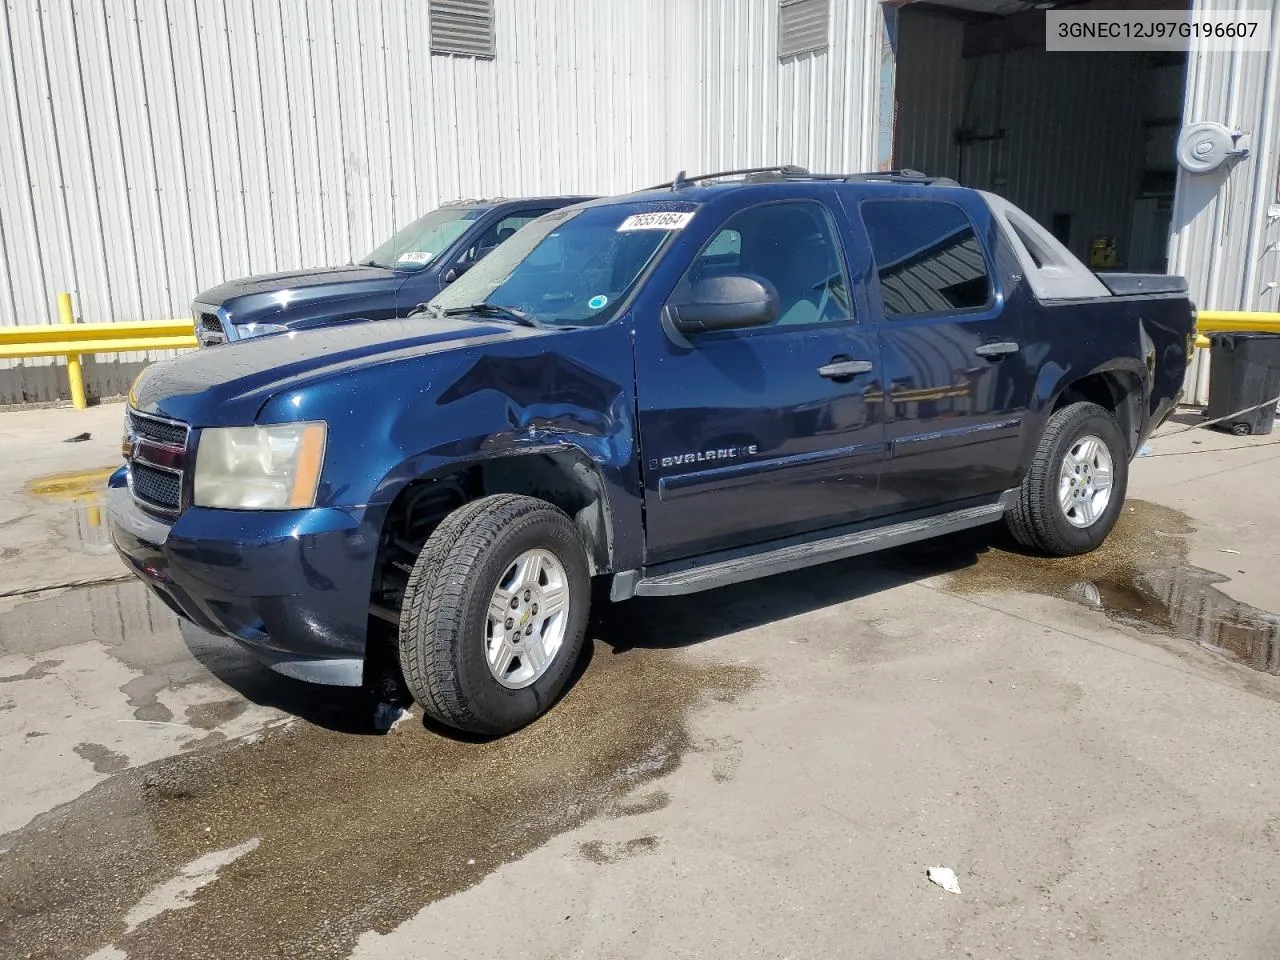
<point x="153" y="148"/>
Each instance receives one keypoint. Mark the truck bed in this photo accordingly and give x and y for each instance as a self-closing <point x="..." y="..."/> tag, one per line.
<point x="1143" y="284"/>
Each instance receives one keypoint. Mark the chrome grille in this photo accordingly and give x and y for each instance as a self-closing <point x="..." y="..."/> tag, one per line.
<point x="209" y="328"/>
<point x="162" y="431"/>
<point x="156" y="450"/>
<point x="157" y="488"/>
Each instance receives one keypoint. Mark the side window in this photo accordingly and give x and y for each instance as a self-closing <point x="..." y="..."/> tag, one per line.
<point x="500" y="231"/>
<point x="928" y="256"/>
<point x="794" y="247"/>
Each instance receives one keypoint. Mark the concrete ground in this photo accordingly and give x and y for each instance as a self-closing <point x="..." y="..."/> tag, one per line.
<point x="762" y="771"/>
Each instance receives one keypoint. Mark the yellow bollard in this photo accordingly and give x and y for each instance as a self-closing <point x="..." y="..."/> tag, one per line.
<point x="75" y="374"/>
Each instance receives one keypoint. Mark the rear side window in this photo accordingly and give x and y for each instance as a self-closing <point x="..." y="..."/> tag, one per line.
<point x="928" y="256"/>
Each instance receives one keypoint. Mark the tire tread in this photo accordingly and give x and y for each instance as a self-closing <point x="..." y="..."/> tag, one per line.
<point x="1031" y="519"/>
<point x="435" y="601"/>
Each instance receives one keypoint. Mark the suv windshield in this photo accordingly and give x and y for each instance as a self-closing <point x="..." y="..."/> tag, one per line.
<point x="572" y="267"/>
<point x="416" y="245"/>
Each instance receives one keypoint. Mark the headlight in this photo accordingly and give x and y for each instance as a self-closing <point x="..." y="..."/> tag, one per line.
<point x="247" y="330"/>
<point x="274" y="467"/>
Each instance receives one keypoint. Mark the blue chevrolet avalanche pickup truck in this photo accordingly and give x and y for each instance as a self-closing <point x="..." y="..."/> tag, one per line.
<point x="408" y="269"/>
<point x="713" y="380"/>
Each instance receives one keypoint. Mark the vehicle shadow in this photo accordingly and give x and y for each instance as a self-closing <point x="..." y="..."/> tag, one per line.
<point x="341" y="709"/>
<point x="667" y="622"/>
<point x="1187" y="417"/>
<point x="652" y="623"/>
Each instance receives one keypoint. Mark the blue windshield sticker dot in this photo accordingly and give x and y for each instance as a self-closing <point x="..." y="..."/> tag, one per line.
<point x="597" y="302"/>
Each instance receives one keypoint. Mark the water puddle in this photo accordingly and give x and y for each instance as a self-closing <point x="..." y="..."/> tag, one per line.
<point x="162" y="654"/>
<point x="84" y="492"/>
<point x="1140" y="577"/>
<point x="353" y="833"/>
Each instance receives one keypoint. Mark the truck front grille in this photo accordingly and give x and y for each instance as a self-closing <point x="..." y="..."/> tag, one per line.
<point x="156" y="488"/>
<point x="209" y="328"/>
<point x="168" y="432"/>
<point x="156" y="450"/>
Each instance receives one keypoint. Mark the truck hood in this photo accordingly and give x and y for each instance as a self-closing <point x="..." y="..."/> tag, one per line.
<point x="227" y="385"/>
<point x="259" y="295"/>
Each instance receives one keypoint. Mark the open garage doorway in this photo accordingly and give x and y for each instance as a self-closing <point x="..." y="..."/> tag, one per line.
<point x="1084" y="142"/>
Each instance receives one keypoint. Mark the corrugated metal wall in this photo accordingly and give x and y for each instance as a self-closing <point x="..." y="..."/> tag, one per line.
<point x="1072" y="140"/>
<point x="821" y="111"/>
<point x="154" y="148"/>
<point x="1226" y="226"/>
<point x="159" y="147"/>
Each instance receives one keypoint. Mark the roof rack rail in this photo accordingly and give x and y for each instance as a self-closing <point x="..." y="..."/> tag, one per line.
<point x="785" y="170"/>
<point x="466" y="200"/>
<point x="894" y="176"/>
<point x="790" y="171"/>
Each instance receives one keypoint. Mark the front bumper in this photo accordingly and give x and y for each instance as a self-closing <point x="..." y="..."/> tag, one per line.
<point x="292" y="586"/>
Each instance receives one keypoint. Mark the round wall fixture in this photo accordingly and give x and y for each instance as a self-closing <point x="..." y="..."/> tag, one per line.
<point x="1207" y="146"/>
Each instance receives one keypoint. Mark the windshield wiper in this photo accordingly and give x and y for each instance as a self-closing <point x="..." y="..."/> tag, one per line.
<point x="371" y="263"/>
<point x="495" y="310"/>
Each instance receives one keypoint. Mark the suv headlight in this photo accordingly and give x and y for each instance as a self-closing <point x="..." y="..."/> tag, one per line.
<point x="275" y="467"/>
<point x="248" y="330"/>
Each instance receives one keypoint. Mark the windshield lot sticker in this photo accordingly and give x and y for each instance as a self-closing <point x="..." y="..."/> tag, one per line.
<point x="598" y="301"/>
<point x="416" y="256"/>
<point x="667" y="220"/>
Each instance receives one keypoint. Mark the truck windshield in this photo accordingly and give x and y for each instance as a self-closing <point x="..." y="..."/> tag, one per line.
<point x="572" y="267"/>
<point x="415" y="246"/>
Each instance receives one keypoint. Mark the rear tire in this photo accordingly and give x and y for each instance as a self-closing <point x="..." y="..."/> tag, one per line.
<point x="470" y="665"/>
<point x="1073" y="494"/>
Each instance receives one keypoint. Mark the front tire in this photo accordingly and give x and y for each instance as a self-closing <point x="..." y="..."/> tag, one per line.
<point x="1073" y="494"/>
<point x="494" y="614"/>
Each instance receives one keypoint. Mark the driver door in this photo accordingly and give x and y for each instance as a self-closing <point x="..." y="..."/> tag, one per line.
<point x="752" y="434"/>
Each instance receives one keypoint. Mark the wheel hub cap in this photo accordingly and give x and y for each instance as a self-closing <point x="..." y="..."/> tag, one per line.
<point x="527" y="619"/>
<point x="1085" y="480"/>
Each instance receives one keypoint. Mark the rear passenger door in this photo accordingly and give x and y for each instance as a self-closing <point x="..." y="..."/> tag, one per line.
<point x="955" y="382"/>
<point x="757" y="433"/>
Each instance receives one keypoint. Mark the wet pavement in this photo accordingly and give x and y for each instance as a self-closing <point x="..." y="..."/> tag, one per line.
<point x="762" y="770"/>
<point x="1140" y="577"/>
<point x="363" y="831"/>
<point x="84" y="527"/>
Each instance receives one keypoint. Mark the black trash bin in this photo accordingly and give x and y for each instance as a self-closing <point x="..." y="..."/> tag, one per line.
<point x="1244" y="370"/>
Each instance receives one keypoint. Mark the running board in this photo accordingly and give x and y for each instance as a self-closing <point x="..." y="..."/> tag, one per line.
<point x="795" y="553"/>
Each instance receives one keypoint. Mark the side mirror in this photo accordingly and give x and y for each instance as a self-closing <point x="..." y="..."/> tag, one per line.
<point x="725" y="303"/>
<point x="454" y="272"/>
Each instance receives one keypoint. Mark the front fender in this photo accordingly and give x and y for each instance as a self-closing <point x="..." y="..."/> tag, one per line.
<point x="606" y="527"/>
<point x="566" y="392"/>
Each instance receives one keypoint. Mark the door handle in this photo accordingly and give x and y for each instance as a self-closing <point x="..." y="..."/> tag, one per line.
<point x="998" y="350"/>
<point x="839" y="369"/>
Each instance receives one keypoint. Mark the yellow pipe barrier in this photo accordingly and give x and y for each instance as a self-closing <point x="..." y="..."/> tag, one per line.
<point x="130" y="329"/>
<point x="17" y="351"/>
<point x="70" y="339"/>
<point x="1234" y="321"/>
<point x="75" y="374"/>
<point x="1244" y="321"/>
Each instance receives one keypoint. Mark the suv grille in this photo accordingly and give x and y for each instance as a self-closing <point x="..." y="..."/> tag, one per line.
<point x="156" y="451"/>
<point x="156" y="488"/>
<point x="209" y="329"/>
<point x="162" y="431"/>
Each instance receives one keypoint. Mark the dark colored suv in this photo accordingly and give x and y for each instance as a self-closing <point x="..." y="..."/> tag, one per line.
<point x="665" y="392"/>
<point x="407" y="270"/>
